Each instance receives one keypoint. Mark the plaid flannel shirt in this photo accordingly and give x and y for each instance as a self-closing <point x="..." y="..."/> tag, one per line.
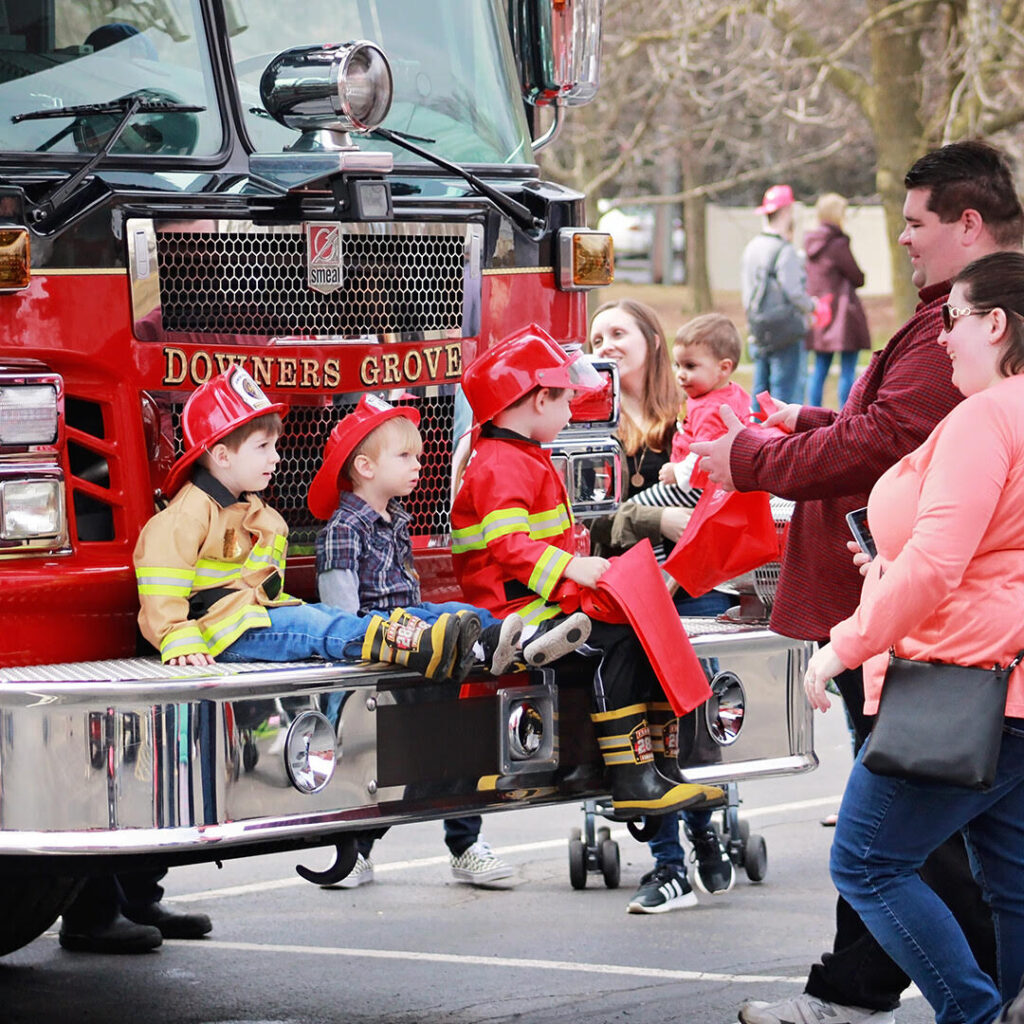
<point x="358" y="539"/>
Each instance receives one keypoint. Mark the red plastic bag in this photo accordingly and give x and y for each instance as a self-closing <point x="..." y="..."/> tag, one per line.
<point x="729" y="533"/>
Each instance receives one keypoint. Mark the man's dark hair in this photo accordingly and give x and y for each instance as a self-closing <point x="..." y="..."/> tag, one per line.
<point x="971" y="175"/>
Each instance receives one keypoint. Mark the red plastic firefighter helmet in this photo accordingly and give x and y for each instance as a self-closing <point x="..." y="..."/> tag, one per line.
<point x="213" y="411"/>
<point x="346" y="436"/>
<point x="528" y="359"/>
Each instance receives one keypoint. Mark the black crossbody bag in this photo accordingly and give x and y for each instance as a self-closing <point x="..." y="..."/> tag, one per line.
<point x="939" y="722"/>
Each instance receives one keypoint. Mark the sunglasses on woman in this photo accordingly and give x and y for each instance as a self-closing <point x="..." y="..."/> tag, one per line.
<point x="950" y="314"/>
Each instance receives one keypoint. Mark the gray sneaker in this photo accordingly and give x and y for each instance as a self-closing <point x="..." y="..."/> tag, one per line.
<point x="805" y="1009"/>
<point x="479" y="865"/>
<point x="361" y="874"/>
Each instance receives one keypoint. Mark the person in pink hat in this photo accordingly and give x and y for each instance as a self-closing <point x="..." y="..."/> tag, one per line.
<point x="210" y="567"/>
<point x="776" y="302"/>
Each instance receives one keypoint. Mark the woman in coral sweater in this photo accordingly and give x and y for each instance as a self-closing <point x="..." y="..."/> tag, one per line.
<point x="947" y="585"/>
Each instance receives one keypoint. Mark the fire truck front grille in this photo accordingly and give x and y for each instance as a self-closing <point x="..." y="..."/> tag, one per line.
<point x="301" y="447"/>
<point x="402" y="282"/>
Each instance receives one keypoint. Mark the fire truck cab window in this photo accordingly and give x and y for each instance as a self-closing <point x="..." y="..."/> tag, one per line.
<point x="69" y="53"/>
<point x="462" y="104"/>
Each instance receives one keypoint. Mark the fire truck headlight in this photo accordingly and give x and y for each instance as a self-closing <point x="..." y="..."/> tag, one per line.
<point x="586" y="259"/>
<point x="31" y="508"/>
<point x="28" y="414"/>
<point x="338" y="87"/>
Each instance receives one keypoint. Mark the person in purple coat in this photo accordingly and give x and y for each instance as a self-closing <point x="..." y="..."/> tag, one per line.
<point x="833" y="275"/>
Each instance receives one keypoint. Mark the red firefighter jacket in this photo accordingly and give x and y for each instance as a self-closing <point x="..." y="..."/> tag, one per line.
<point x="512" y="528"/>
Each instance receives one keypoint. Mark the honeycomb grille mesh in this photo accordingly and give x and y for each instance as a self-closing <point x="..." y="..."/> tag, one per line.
<point x="766" y="578"/>
<point x="254" y="283"/>
<point x="301" y="447"/>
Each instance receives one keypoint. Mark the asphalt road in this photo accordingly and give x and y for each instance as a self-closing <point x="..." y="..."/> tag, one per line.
<point x="417" y="947"/>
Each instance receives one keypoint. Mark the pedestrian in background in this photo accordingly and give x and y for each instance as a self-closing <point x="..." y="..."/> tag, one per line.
<point x="776" y="301"/>
<point x="834" y="276"/>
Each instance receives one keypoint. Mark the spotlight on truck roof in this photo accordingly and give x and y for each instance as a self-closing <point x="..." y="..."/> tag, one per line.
<point x="338" y="87"/>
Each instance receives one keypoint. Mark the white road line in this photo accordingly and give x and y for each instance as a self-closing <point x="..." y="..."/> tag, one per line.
<point x="423" y="862"/>
<point x="488" y="961"/>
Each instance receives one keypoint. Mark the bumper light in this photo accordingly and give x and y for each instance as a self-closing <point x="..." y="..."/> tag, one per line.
<point x="28" y="414"/>
<point x="586" y="259"/>
<point x="31" y="509"/>
<point x="310" y="752"/>
<point x="528" y="734"/>
<point x="725" y="710"/>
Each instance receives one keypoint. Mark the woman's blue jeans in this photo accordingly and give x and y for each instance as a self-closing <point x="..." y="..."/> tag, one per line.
<point x="847" y="374"/>
<point x="887" y="827"/>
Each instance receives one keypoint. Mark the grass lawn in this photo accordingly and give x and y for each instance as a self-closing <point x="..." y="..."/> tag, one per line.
<point x="673" y="305"/>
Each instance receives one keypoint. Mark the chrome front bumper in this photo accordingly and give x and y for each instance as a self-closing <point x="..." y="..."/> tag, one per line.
<point x="130" y="757"/>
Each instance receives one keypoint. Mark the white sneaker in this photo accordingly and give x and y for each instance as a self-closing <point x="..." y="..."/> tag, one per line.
<point x="805" y="1009"/>
<point x="479" y="865"/>
<point x="361" y="874"/>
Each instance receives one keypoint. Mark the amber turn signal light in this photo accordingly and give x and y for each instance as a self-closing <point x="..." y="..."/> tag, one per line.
<point x="15" y="260"/>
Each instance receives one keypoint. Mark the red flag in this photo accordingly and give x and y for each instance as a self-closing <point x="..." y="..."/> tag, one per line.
<point x="633" y="590"/>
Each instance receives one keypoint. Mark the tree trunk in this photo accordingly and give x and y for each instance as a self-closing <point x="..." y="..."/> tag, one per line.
<point x="695" y="223"/>
<point x="897" y="71"/>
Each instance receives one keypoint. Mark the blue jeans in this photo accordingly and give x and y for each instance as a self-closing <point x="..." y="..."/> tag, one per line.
<point x="822" y="364"/>
<point x="780" y="373"/>
<point x="430" y="612"/>
<point x="299" y="631"/>
<point x="665" y="846"/>
<point x="887" y="827"/>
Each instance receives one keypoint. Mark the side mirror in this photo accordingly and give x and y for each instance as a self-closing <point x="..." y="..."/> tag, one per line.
<point x="557" y="46"/>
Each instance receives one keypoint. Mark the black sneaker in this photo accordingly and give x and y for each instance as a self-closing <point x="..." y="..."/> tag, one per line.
<point x="663" y="889"/>
<point x="715" y="873"/>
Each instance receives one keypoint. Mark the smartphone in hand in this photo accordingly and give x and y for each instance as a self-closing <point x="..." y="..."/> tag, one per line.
<point x="858" y="523"/>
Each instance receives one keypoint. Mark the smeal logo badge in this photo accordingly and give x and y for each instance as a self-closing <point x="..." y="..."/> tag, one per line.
<point x="323" y="257"/>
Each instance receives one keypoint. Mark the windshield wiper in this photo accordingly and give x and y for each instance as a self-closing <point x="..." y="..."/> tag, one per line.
<point x="127" y="106"/>
<point x="516" y="210"/>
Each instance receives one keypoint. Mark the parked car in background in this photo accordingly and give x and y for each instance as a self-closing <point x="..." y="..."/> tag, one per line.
<point x="632" y="230"/>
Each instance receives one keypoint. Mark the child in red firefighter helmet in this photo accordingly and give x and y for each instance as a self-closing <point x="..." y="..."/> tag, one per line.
<point x="210" y="567"/>
<point x="513" y="546"/>
<point x="364" y="564"/>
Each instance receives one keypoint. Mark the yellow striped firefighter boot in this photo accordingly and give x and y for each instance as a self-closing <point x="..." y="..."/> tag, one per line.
<point x="408" y="641"/>
<point x="664" y="725"/>
<point x="637" y="786"/>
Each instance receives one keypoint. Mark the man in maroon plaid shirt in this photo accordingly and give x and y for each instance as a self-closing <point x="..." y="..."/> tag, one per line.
<point x="961" y="204"/>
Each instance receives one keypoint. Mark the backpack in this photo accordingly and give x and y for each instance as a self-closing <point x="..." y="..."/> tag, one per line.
<point x="774" y="321"/>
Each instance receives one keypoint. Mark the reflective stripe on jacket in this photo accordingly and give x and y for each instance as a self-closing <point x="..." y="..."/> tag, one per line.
<point x="205" y="542"/>
<point x="512" y="528"/>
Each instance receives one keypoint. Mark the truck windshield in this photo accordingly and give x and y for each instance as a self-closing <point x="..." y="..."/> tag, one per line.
<point x="455" y="80"/>
<point x="69" y="53"/>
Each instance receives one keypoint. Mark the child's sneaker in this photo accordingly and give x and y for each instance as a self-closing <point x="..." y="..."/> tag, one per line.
<point x="406" y="640"/>
<point x="556" y="638"/>
<point x="499" y="644"/>
<point x="361" y="874"/>
<point x="715" y="873"/>
<point x="663" y="889"/>
<point x="479" y="865"/>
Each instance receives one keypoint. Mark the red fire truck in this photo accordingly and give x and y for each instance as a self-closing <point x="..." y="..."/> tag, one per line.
<point x="186" y="184"/>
